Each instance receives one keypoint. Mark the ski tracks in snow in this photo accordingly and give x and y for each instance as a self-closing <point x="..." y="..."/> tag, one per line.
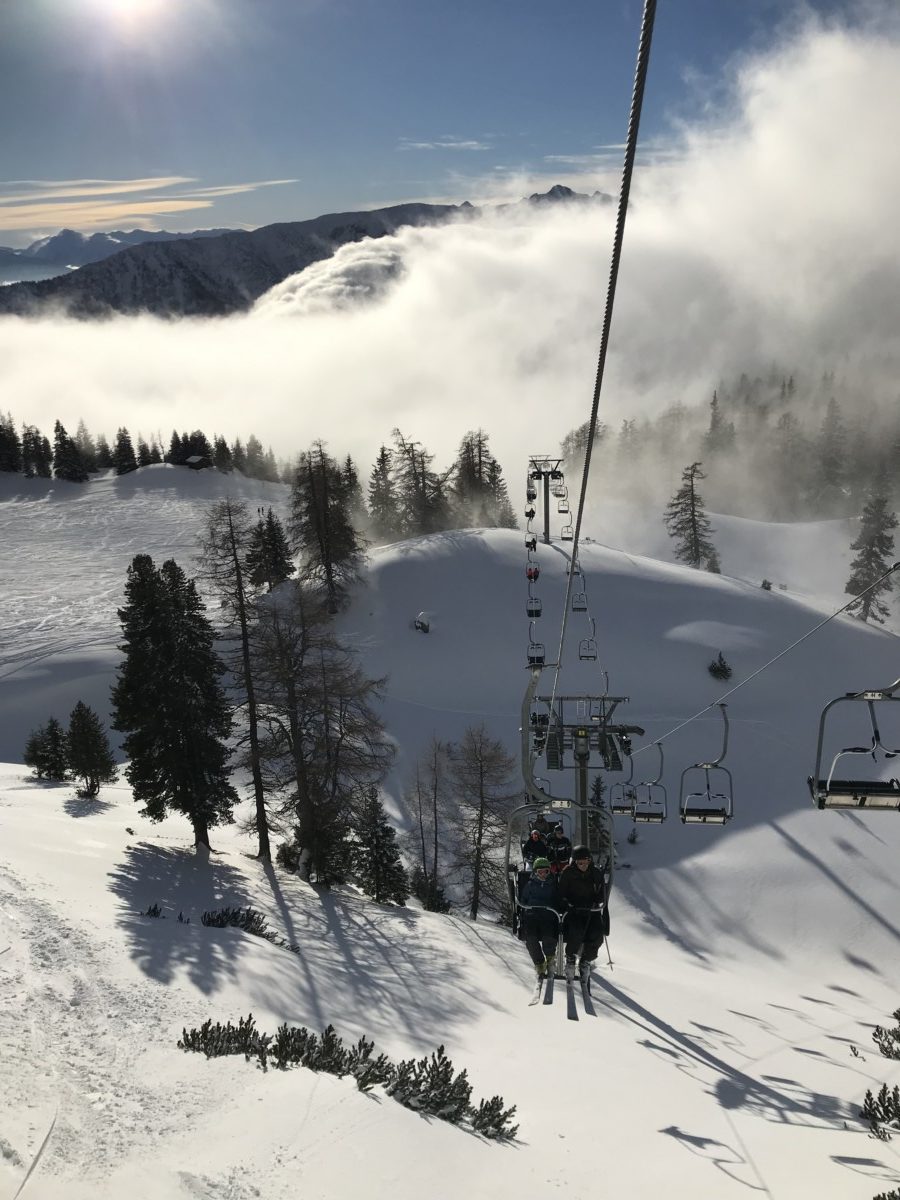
<point x="73" y="1037"/>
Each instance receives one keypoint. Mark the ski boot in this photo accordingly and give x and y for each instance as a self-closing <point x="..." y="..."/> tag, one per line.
<point x="570" y="968"/>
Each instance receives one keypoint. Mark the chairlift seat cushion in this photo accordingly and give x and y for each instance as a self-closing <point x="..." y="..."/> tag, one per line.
<point x="858" y="793"/>
<point x="704" y="816"/>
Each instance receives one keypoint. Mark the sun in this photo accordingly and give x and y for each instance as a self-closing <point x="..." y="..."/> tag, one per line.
<point x="129" y="12"/>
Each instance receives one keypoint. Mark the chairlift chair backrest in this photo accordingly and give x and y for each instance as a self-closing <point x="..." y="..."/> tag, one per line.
<point x="832" y="792"/>
<point x="533" y="607"/>
<point x="579" y="602"/>
<point x="567" y="533"/>
<point x="713" y="802"/>
<point x="651" y="801"/>
<point x="563" y="507"/>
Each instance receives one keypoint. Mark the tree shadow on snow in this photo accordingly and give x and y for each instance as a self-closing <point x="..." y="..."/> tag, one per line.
<point x="178" y="880"/>
<point x="78" y="806"/>
<point x="734" y="1088"/>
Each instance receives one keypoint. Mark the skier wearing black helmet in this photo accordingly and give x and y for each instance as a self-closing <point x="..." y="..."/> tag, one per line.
<point x="540" y="923"/>
<point x="583" y="887"/>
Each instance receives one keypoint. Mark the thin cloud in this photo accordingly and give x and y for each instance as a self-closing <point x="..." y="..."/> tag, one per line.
<point x="444" y="144"/>
<point x="93" y="204"/>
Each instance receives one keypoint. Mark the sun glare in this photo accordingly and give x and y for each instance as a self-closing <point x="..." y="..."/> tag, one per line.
<point x="129" y="12"/>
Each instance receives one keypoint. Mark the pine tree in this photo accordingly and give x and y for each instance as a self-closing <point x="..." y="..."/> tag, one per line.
<point x="47" y="752"/>
<point x="720" y="434"/>
<point x="321" y="528"/>
<point x="67" y="462"/>
<point x="353" y="494"/>
<point x="831" y="474"/>
<point x="239" y="457"/>
<point x="169" y="700"/>
<point x="196" y="445"/>
<point x="10" y="445"/>
<point x="422" y="497"/>
<point x="90" y="756"/>
<point x="482" y="773"/>
<point x="384" y="514"/>
<point x="254" y="458"/>
<point x="144" y="454"/>
<point x="86" y="447"/>
<point x="156" y="454"/>
<point x="123" y="455"/>
<point x="268" y="553"/>
<point x="479" y="493"/>
<point x="104" y="454"/>
<point x="374" y="855"/>
<point x="222" y="460"/>
<point x="504" y="516"/>
<point x="176" y="453"/>
<point x="37" y="454"/>
<point x="687" y="522"/>
<point x="270" y="472"/>
<point x="875" y="553"/>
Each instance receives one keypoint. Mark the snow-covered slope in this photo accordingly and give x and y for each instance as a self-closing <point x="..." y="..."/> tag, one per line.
<point x="747" y="961"/>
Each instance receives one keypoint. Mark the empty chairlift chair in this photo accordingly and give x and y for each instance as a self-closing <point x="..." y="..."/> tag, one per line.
<point x="536" y="654"/>
<point x="533" y="606"/>
<point x="621" y="795"/>
<point x="579" y="602"/>
<point x="567" y="534"/>
<point x="833" y="792"/>
<point x="587" y="647"/>
<point x="650" y="798"/>
<point x="563" y="507"/>
<point x="713" y="802"/>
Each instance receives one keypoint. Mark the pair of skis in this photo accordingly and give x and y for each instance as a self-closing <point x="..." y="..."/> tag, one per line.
<point x="543" y="990"/>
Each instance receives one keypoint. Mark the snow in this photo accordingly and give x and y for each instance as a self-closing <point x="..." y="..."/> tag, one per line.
<point x="747" y="961"/>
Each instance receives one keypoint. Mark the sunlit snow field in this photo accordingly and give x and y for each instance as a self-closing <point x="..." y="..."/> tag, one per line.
<point x="749" y="962"/>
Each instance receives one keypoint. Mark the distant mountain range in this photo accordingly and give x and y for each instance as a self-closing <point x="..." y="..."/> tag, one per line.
<point x="211" y="272"/>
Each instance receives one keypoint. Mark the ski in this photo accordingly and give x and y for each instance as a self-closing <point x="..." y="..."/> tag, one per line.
<point x="548" y="990"/>
<point x="571" y="1010"/>
<point x="536" y="994"/>
<point x="586" y="997"/>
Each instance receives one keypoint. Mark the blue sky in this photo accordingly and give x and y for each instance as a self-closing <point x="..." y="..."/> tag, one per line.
<point x="184" y="114"/>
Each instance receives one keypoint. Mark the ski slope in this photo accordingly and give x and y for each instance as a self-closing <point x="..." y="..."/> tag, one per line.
<point x="748" y="962"/>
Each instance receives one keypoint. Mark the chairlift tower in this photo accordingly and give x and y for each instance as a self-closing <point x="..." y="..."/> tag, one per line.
<point x="573" y="733"/>
<point x="542" y="469"/>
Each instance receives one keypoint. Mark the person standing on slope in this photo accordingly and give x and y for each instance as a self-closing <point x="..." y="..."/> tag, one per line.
<point x="540" y="916"/>
<point x="582" y="887"/>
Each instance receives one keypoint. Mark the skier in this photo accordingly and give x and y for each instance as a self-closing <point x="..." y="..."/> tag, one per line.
<point x="532" y="571"/>
<point x="583" y="888"/>
<point x="540" y="920"/>
<point x="559" y="850"/>
<point x="541" y="824"/>
<point x="534" y="848"/>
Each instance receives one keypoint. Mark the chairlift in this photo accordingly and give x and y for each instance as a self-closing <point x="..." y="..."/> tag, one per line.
<point x="531" y="541"/>
<point x="532" y="571"/>
<point x="422" y="623"/>
<point x="536" y="655"/>
<point x="650" y="798"/>
<point x="533" y="607"/>
<point x="622" y="795"/>
<point x="537" y="473"/>
<point x="566" y="533"/>
<point x="713" y="802"/>
<point x="563" y="507"/>
<point x="529" y="513"/>
<point x="579" y="602"/>
<point x="531" y="493"/>
<point x="829" y="792"/>
<point x="587" y="647"/>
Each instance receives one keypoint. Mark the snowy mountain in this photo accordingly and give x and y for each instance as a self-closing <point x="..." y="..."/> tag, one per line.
<point x="208" y="275"/>
<point x="210" y="272"/>
<point x="749" y="963"/>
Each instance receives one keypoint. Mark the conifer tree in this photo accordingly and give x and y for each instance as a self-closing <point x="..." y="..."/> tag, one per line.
<point x="90" y="757"/>
<point x="384" y="515"/>
<point x="503" y="515"/>
<point x="86" y="447"/>
<point x="10" y="445"/>
<point x="47" y="752"/>
<point x="831" y="473"/>
<point x="482" y="774"/>
<point x="353" y="494"/>
<point x="169" y="700"/>
<point x="176" y="454"/>
<point x="689" y="525"/>
<point x="156" y="454"/>
<point x="324" y="738"/>
<point x="321" y="528"/>
<point x="67" y="462"/>
<point x="375" y="856"/>
<point x="144" y="454"/>
<point x="875" y="553"/>
<point x="222" y="460"/>
<point x="37" y="454"/>
<point x="255" y="458"/>
<point x="720" y="434"/>
<point x="421" y="492"/>
<point x="104" y="458"/>
<point x="270" y="472"/>
<point x="268" y="553"/>
<point x="239" y="457"/>
<point x="196" y="445"/>
<point x="123" y="455"/>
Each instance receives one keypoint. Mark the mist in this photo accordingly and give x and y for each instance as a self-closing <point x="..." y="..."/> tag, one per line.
<point x="769" y="240"/>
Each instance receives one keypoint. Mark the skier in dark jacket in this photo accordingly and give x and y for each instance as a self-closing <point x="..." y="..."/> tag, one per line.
<point x="583" y="888"/>
<point x="559" y="850"/>
<point x="534" y="848"/>
<point x="540" y="920"/>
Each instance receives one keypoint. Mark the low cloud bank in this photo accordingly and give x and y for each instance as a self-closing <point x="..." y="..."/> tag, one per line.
<point x="772" y="238"/>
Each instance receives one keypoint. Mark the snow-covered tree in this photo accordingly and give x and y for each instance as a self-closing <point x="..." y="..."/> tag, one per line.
<point x="689" y="525"/>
